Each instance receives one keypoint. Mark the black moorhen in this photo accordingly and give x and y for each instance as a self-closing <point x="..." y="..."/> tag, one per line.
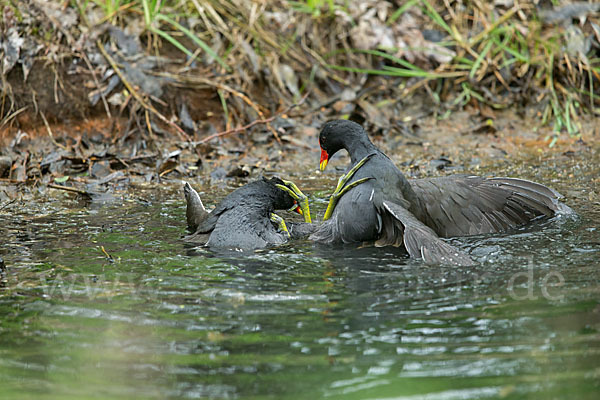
<point x="244" y="219"/>
<point x="375" y="202"/>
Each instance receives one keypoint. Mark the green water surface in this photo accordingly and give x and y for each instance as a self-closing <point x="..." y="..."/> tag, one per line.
<point x="164" y="321"/>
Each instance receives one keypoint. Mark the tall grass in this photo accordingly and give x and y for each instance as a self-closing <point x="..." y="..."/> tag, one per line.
<point x="314" y="7"/>
<point x="157" y="20"/>
<point x="502" y="56"/>
<point x="504" y="53"/>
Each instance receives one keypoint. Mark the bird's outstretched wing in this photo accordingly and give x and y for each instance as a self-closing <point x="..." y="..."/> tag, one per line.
<point x="419" y="240"/>
<point x="464" y="205"/>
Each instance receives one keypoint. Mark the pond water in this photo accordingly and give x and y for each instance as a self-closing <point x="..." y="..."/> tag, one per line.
<point x="161" y="320"/>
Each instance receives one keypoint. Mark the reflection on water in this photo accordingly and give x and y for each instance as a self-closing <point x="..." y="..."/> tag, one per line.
<point x="160" y="320"/>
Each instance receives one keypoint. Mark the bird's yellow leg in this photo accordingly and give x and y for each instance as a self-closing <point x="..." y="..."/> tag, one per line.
<point x="336" y="196"/>
<point x="296" y="194"/>
<point x="280" y="223"/>
<point x="341" y="187"/>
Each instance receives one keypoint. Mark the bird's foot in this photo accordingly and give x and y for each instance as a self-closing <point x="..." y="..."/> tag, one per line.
<point x="280" y="222"/>
<point x="301" y="199"/>
<point x="342" y="188"/>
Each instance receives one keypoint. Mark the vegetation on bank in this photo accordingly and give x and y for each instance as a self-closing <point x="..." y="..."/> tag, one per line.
<point x="262" y="56"/>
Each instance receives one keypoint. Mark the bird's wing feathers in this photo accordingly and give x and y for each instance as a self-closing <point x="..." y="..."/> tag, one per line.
<point x="466" y="205"/>
<point x="208" y="224"/>
<point x="357" y="219"/>
<point x="420" y="240"/>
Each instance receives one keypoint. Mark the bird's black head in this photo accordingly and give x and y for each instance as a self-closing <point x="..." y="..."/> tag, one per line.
<point x="339" y="134"/>
<point x="280" y="198"/>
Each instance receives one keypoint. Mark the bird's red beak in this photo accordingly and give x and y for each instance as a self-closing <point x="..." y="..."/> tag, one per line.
<point x="297" y="209"/>
<point x="324" y="160"/>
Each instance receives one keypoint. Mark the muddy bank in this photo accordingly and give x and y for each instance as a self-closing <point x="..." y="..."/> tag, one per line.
<point x="101" y="102"/>
<point x="99" y="157"/>
<point x="230" y="64"/>
<point x="63" y="95"/>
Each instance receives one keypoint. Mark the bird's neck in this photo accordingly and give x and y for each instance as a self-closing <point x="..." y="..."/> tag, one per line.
<point x="359" y="149"/>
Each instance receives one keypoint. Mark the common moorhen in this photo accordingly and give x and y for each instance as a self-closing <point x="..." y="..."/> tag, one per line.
<point x="375" y="202"/>
<point x="245" y="218"/>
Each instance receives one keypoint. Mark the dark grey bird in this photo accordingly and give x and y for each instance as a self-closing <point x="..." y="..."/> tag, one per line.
<point x="244" y="219"/>
<point x="380" y="205"/>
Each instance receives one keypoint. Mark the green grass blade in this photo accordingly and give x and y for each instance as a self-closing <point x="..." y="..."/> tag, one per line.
<point x="393" y="58"/>
<point x="147" y="16"/>
<point x="172" y="40"/>
<point x="514" y="53"/>
<point x="508" y="63"/>
<point x="224" y="105"/>
<point x="401" y="11"/>
<point x="409" y="73"/>
<point x="480" y="58"/>
<point x="436" y="17"/>
<point x="465" y="61"/>
<point x="400" y="72"/>
<point x="195" y="38"/>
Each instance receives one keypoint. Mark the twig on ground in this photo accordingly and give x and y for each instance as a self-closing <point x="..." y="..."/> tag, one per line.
<point x="9" y="180"/>
<point x="251" y="124"/>
<point x="137" y="96"/>
<point x="68" y="189"/>
<point x="85" y="58"/>
<point x="6" y="119"/>
<point x="226" y="88"/>
<point x="8" y="203"/>
<point x="50" y="132"/>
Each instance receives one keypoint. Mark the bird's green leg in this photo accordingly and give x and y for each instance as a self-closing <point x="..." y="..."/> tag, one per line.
<point x="293" y="190"/>
<point x="342" y="188"/>
<point x="280" y="223"/>
<point x="338" y="194"/>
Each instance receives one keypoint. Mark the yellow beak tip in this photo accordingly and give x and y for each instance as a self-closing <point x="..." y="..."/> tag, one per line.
<point x="323" y="165"/>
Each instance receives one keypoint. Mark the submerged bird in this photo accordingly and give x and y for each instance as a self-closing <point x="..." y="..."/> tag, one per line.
<point x="374" y="202"/>
<point x="245" y="218"/>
